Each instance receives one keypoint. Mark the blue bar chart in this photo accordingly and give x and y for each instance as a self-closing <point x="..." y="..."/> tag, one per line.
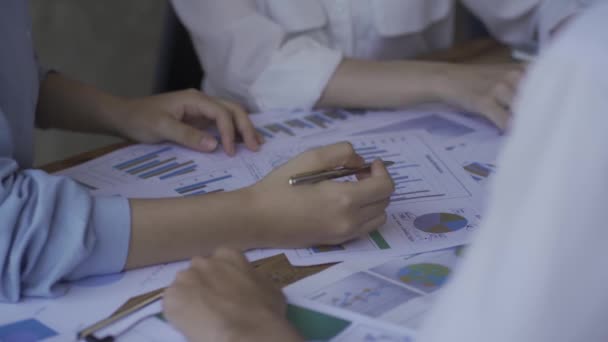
<point x="277" y="128"/>
<point x="304" y="123"/>
<point x="209" y="182"/>
<point x="162" y="163"/>
<point x="203" y="185"/>
<point x="408" y="175"/>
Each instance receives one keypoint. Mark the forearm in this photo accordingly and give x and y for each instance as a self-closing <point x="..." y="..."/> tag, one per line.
<point x="174" y="229"/>
<point x="383" y="84"/>
<point x="72" y="105"/>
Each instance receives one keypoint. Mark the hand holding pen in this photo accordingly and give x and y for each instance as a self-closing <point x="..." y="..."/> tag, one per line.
<point x="323" y="212"/>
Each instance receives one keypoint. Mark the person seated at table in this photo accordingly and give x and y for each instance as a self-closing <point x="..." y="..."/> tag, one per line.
<point x="52" y="230"/>
<point x="536" y="270"/>
<point x="293" y="54"/>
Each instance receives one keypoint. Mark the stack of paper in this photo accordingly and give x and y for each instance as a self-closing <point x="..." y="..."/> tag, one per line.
<point x="443" y="161"/>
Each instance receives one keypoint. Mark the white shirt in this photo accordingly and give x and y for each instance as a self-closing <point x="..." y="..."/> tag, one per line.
<point x="538" y="269"/>
<point x="280" y="54"/>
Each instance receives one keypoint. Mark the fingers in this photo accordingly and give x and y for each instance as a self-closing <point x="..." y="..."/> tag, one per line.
<point x="226" y="115"/>
<point x="504" y="94"/>
<point x="225" y="126"/>
<point x="496" y="113"/>
<point x="372" y="210"/>
<point x="505" y="91"/>
<point x="195" y="103"/>
<point x="213" y="270"/>
<point x="232" y="257"/>
<point x="330" y="157"/>
<point x="244" y="125"/>
<point x="377" y="187"/>
<point x="174" y="130"/>
<point x="514" y="77"/>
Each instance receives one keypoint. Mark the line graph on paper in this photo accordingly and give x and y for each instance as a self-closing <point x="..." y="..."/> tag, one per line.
<point x="365" y="294"/>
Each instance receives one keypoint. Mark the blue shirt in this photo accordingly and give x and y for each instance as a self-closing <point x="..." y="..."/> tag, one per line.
<point x="51" y="229"/>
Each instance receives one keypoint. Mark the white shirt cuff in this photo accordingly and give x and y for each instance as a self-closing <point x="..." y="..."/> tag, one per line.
<point x="296" y="76"/>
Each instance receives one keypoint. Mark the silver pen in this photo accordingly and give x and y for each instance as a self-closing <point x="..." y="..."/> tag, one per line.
<point x="319" y="176"/>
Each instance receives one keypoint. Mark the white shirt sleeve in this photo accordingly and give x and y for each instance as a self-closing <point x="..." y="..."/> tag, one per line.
<point x="553" y="13"/>
<point x="537" y="271"/>
<point x="252" y="59"/>
<point x="524" y="23"/>
<point x="512" y="22"/>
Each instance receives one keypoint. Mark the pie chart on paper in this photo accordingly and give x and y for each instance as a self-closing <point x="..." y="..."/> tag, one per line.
<point x="426" y="277"/>
<point x="440" y="223"/>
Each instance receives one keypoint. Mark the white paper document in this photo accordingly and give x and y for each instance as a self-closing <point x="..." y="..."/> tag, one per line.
<point x="477" y="154"/>
<point x="440" y="122"/>
<point x="142" y="164"/>
<point x="395" y="290"/>
<point x="313" y="322"/>
<point x="435" y="204"/>
<point x="86" y="301"/>
<point x="93" y="299"/>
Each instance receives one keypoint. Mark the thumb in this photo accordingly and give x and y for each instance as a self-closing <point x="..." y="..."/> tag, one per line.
<point x="183" y="134"/>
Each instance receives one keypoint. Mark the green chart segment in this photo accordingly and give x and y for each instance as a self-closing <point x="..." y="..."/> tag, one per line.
<point x="379" y="240"/>
<point x="314" y="325"/>
<point x="439" y="223"/>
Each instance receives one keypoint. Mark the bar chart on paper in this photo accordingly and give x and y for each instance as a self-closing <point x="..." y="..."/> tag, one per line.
<point x="208" y="183"/>
<point x="418" y="173"/>
<point x="135" y="164"/>
<point x="433" y="205"/>
<point x="160" y="163"/>
<point x="191" y="184"/>
<point x="301" y="124"/>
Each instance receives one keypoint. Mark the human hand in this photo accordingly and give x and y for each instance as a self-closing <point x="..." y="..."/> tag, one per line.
<point x="182" y="116"/>
<point x="488" y="90"/>
<point x="221" y="298"/>
<point x="329" y="212"/>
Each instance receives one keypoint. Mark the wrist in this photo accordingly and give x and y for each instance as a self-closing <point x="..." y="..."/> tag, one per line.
<point x="419" y="81"/>
<point x="257" y="218"/>
<point x="443" y="81"/>
<point x="119" y="117"/>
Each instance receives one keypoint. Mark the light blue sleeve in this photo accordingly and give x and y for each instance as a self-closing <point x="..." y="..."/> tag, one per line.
<point x="51" y="230"/>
